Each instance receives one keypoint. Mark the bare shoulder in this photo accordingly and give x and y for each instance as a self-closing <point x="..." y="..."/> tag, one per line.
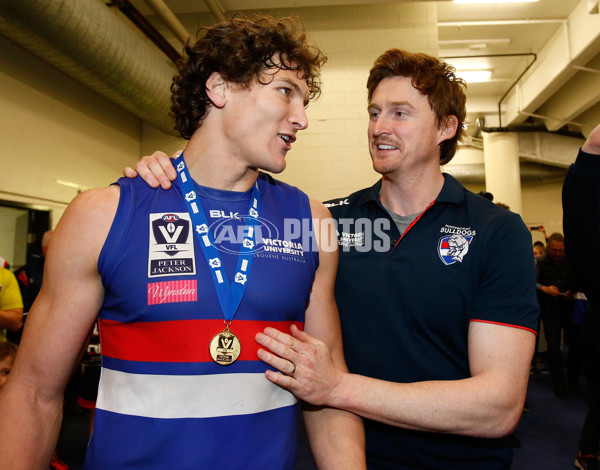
<point x="325" y="229"/>
<point x="94" y="206"/>
<point x="87" y="220"/>
<point x="96" y="201"/>
<point x="318" y="210"/>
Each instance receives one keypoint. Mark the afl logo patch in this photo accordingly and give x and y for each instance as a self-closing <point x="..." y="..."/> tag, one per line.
<point x="171" y="245"/>
<point x="453" y="248"/>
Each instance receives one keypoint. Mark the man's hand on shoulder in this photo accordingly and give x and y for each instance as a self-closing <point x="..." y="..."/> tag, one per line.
<point x="156" y="169"/>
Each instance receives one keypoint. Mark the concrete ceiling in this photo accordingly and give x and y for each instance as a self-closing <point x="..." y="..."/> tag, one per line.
<point x="544" y="56"/>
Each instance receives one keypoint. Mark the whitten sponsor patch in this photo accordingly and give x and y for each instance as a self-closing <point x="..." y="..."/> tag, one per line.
<point x="172" y="291"/>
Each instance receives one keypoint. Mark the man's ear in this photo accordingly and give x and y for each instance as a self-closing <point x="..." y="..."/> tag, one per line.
<point x="216" y="87"/>
<point x="448" y="128"/>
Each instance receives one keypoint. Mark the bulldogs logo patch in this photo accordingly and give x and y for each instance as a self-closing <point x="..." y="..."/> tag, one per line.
<point x="453" y="248"/>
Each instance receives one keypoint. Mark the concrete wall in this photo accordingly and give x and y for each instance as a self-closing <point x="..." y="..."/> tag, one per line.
<point x="53" y="129"/>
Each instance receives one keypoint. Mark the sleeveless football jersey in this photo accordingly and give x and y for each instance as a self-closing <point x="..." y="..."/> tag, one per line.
<point x="163" y="402"/>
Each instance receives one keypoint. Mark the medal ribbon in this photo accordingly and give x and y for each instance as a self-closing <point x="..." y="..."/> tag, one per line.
<point x="230" y="295"/>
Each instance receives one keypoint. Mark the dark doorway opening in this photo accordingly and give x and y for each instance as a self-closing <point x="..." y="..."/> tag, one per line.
<point x="21" y="229"/>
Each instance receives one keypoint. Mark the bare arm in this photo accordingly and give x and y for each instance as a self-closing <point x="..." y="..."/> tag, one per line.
<point x="336" y="436"/>
<point x="487" y="404"/>
<point x="11" y="319"/>
<point x="57" y="328"/>
<point x="156" y="169"/>
<point x="11" y="303"/>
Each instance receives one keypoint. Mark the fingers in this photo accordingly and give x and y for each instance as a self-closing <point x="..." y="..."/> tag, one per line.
<point x="157" y="169"/>
<point x="129" y="172"/>
<point x="166" y="163"/>
<point x="152" y="172"/>
<point x="296" y="340"/>
<point x="277" y="342"/>
<point x="285" y="353"/>
<point x="286" y="367"/>
<point x="283" y="381"/>
<point x="301" y="335"/>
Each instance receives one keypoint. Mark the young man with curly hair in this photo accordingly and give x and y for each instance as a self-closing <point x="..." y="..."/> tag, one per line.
<point x="181" y="281"/>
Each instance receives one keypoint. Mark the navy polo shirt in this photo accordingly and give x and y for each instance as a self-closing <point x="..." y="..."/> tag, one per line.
<point x="406" y="303"/>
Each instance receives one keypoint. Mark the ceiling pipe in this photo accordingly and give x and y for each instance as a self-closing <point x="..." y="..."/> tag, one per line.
<point x="531" y="172"/>
<point x="585" y="69"/>
<point x="169" y="18"/>
<point x="546" y="118"/>
<point x="216" y="9"/>
<point x="480" y="126"/>
<point x="459" y="24"/>
<point x="146" y="27"/>
<point x="513" y="85"/>
<point x="500" y="55"/>
<point x="93" y="45"/>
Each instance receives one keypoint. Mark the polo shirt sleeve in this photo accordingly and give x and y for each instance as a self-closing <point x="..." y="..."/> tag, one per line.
<point x="10" y="295"/>
<point x="505" y="292"/>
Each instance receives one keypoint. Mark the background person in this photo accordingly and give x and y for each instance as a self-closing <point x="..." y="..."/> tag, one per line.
<point x="8" y="352"/>
<point x="555" y="284"/>
<point x="581" y="224"/>
<point x="538" y="249"/>
<point x="29" y="277"/>
<point x="11" y="304"/>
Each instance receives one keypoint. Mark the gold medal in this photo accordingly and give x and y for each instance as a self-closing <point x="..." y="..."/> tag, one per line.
<point x="225" y="347"/>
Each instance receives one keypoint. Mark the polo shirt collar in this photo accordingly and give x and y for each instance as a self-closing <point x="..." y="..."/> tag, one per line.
<point x="371" y="194"/>
<point x="452" y="192"/>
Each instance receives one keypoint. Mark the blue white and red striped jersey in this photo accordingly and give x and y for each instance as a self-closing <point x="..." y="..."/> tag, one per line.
<point x="163" y="402"/>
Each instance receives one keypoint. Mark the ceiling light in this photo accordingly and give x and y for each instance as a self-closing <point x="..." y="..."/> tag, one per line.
<point x="77" y="186"/>
<point x="492" y="43"/>
<point x="474" y="76"/>
<point x="495" y="1"/>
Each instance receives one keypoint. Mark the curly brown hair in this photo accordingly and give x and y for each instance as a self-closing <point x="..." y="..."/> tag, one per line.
<point x="434" y="79"/>
<point x="240" y="49"/>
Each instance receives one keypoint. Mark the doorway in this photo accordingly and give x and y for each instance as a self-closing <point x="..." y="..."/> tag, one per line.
<point x="21" y="229"/>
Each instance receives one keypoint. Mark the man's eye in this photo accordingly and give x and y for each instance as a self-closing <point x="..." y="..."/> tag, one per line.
<point x="285" y="90"/>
